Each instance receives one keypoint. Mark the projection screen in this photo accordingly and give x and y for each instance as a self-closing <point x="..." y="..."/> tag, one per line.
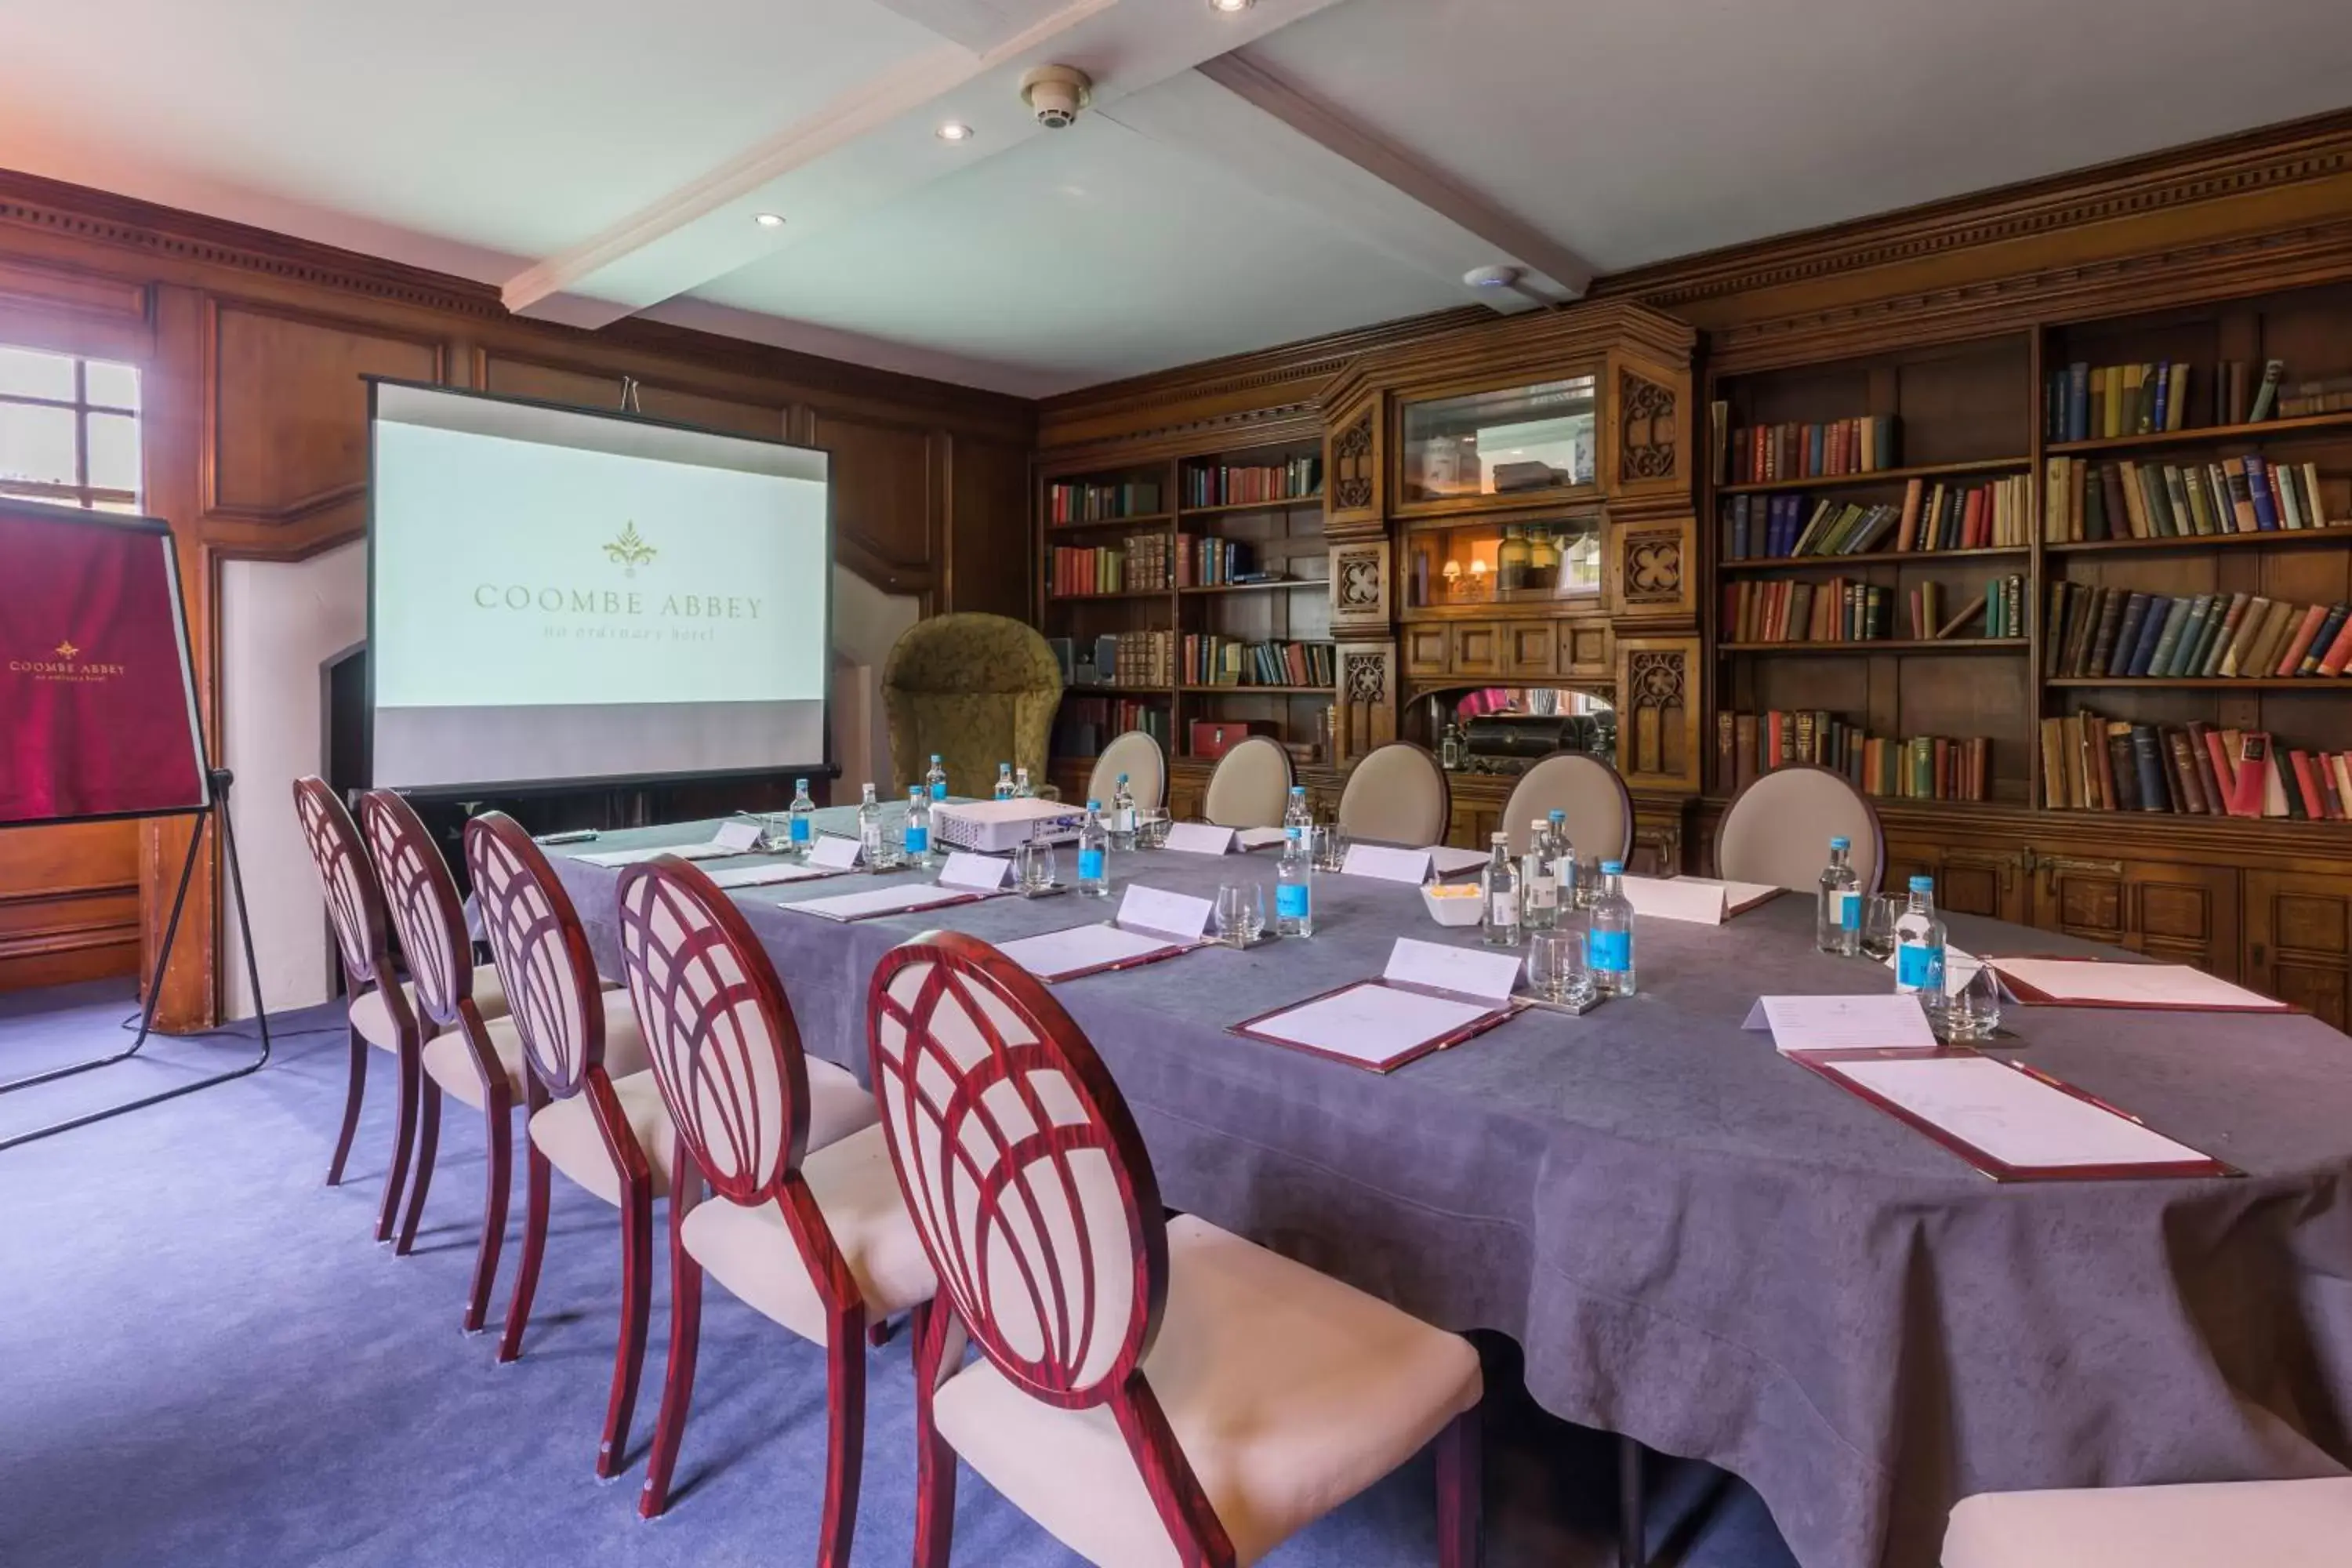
<point x="560" y="596"/>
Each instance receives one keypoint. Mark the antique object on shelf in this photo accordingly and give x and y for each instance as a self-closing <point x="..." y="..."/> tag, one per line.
<point x="1508" y="441"/>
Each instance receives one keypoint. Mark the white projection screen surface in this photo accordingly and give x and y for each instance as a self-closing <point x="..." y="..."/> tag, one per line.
<point x="558" y="596"/>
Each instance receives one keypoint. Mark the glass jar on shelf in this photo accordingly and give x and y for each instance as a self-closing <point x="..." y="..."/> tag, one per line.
<point x="1511" y="561"/>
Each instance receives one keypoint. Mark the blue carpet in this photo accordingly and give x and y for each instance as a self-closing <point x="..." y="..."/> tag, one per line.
<point x="205" y="1361"/>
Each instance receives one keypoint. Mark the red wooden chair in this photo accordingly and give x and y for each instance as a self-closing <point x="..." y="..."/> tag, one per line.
<point x="809" y="1228"/>
<point x="606" y="1132"/>
<point x="382" y="1012"/>
<point x="1149" y="1391"/>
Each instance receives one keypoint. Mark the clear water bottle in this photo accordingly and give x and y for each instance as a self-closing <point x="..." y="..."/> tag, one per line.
<point x="936" y="780"/>
<point x="1539" y="879"/>
<point x="869" y="831"/>
<point x="1094" y="854"/>
<point x="1563" y="866"/>
<point x="1608" y="943"/>
<point x="1294" y="884"/>
<point x="1022" y="788"/>
<point x="1004" y="781"/>
<point x="1122" y="816"/>
<point x="1919" y="949"/>
<point x="916" y="842"/>
<point x="1837" y="921"/>
<point x="1294" y="812"/>
<point x="1498" y="889"/>
<point x="801" y="816"/>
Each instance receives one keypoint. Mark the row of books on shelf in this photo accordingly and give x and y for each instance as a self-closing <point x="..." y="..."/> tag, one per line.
<point x="2180" y="501"/>
<point x="1208" y="562"/>
<point x="2083" y="401"/>
<point x="1100" y="500"/>
<point x="2123" y="631"/>
<point x="1137" y="659"/>
<point x="1921" y="767"/>
<point x="1861" y="445"/>
<point x="1133" y="565"/>
<point x="2090" y="763"/>
<point x="1992" y="514"/>
<point x="1237" y="484"/>
<point x="1087" y="724"/>
<point x="1214" y="661"/>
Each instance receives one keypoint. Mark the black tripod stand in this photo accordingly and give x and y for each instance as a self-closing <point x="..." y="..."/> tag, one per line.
<point x="220" y="779"/>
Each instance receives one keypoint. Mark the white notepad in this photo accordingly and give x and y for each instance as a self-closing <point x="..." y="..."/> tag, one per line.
<point x="1260" y="837"/>
<point x="2088" y="982"/>
<point x="761" y="876"/>
<point x="1370" y="1022"/>
<point x="1703" y="900"/>
<point x="1873" y="1022"/>
<point x="1060" y="954"/>
<point x="708" y="850"/>
<point x="1450" y="861"/>
<point x="881" y="901"/>
<point x="2012" y="1117"/>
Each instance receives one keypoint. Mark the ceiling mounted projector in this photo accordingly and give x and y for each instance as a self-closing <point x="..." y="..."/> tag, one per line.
<point x="1054" y="94"/>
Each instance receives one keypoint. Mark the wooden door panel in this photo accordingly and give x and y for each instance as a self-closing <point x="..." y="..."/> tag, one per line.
<point x="1531" y="649"/>
<point x="883" y="485"/>
<point x="2179" y="914"/>
<point x="1427" y="650"/>
<point x="68" y="903"/>
<point x="1476" y="649"/>
<point x="2299" y="940"/>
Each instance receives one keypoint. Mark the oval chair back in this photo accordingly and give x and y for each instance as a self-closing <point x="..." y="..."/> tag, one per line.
<point x="725" y="1049"/>
<point x="1777" y="830"/>
<point x="356" y="907"/>
<point x="1250" y="785"/>
<point x="1139" y="756"/>
<point x="542" y="953"/>
<point x="1398" y="795"/>
<point x="1023" y="1168"/>
<point x="422" y="898"/>
<point x="1599" y="807"/>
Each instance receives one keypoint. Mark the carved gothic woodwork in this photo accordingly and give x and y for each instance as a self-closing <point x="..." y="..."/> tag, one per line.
<point x="1351" y="466"/>
<point x="1367" y="698"/>
<point x="1658" y="713"/>
<point x="1653" y="570"/>
<point x="1646" y="444"/>
<point x="1359" y="587"/>
<point x="1648" y="439"/>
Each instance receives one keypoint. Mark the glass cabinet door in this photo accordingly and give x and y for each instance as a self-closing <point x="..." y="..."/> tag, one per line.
<point x="1502" y="564"/>
<point x="1521" y="440"/>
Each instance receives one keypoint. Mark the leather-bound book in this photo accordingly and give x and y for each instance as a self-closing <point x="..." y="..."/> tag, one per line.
<point x="2188" y="786"/>
<point x="2149" y="764"/>
<point x="2104" y="638"/>
<point x="2250" y="770"/>
<point x="2118" y="660"/>
<point x="2124" y="767"/>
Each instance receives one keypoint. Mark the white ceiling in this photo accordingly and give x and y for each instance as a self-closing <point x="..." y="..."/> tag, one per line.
<point x="1303" y="166"/>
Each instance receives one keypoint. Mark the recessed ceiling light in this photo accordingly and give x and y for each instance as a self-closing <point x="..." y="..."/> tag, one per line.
<point x="955" y="131"/>
<point x="1229" y="7"/>
<point x="770" y="220"/>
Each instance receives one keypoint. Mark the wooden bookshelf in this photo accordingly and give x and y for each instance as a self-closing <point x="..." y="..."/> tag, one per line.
<point x="1880" y="645"/>
<point x="1990" y="465"/>
<point x="2251" y="431"/>
<point x="1872" y="558"/>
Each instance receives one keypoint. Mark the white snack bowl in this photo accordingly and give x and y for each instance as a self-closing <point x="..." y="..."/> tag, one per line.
<point x="1453" y="909"/>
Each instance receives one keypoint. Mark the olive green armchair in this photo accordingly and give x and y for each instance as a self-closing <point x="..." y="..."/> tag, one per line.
<point x="976" y="689"/>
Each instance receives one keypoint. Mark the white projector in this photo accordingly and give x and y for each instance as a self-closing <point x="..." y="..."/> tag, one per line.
<point x="995" y="827"/>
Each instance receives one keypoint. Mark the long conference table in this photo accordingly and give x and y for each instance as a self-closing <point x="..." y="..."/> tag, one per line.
<point x="1702" y="1245"/>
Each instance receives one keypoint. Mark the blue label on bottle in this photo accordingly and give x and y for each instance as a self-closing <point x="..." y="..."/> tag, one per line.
<point x="918" y="840"/>
<point x="1290" y="901"/>
<point x="1850" y="911"/>
<point x="800" y="829"/>
<point x="940" y="789"/>
<point x="1610" y="950"/>
<point x="1918" y="966"/>
<point x="1090" y="865"/>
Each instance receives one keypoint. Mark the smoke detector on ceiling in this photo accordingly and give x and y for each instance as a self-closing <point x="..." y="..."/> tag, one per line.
<point x="1054" y="94"/>
<point x="1504" y="287"/>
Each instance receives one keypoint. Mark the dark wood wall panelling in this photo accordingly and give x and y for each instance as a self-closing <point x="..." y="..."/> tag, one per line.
<point x="2264" y="211"/>
<point x="252" y="345"/>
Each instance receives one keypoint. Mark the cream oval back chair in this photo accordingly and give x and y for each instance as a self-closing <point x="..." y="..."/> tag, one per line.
<point x="2279" y="1524"/>
<point x="1777" y="831"/>
<point x="1139" y="756"/>
<point x="1150" y="1391"/>
<point x="1397" y="794"/>
<point x="1251" y="785"/>
<point x="1599" y="810"/>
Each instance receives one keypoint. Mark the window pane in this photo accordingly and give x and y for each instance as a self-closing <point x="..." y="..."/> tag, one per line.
<point x="37" y="444"/>
<point x="31" y="375"/>
<point x="111" y="386"/>
<point x="113" y="452"/>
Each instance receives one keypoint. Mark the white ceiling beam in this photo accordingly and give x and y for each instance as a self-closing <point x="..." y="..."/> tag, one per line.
<point x="1366" y="185"/>
<point x="874" y="142"/>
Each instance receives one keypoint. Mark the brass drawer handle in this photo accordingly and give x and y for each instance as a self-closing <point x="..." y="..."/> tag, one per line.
<point x="2102" y="868"/>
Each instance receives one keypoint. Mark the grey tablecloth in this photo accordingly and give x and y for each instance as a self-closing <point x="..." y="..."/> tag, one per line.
<point x="1701" y="1245"/>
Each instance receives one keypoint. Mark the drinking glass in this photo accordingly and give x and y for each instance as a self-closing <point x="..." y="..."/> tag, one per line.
<point x="1588" y="882"/>
<point x="1151" y="828"/>
<point x="1033" y="866"/>
<point x="1330" y="849"/>
<point x="1555" y="967"/>
<point x="1973" y="1012"/>
<point x="1878" y="917"/>
<point x="1240" y="913"/>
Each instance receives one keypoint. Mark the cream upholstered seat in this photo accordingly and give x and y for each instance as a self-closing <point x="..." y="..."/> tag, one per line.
<point x="373" y="1018"/>
<point x="1287" y="1390"/>
<point x="451" y="1061"/>
<point x="566" y="1133"/>
<point x="2243" y="1524"/>
<point x="1777" y="831"/>
<point x="1139" y="756"/>
<point x="1599" y="811"/>
<point x="747" y="1247"/>
<point x="1250" y="786"/>
<point x="1397" y="794"/>
<point x="1152" y="1392"/>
